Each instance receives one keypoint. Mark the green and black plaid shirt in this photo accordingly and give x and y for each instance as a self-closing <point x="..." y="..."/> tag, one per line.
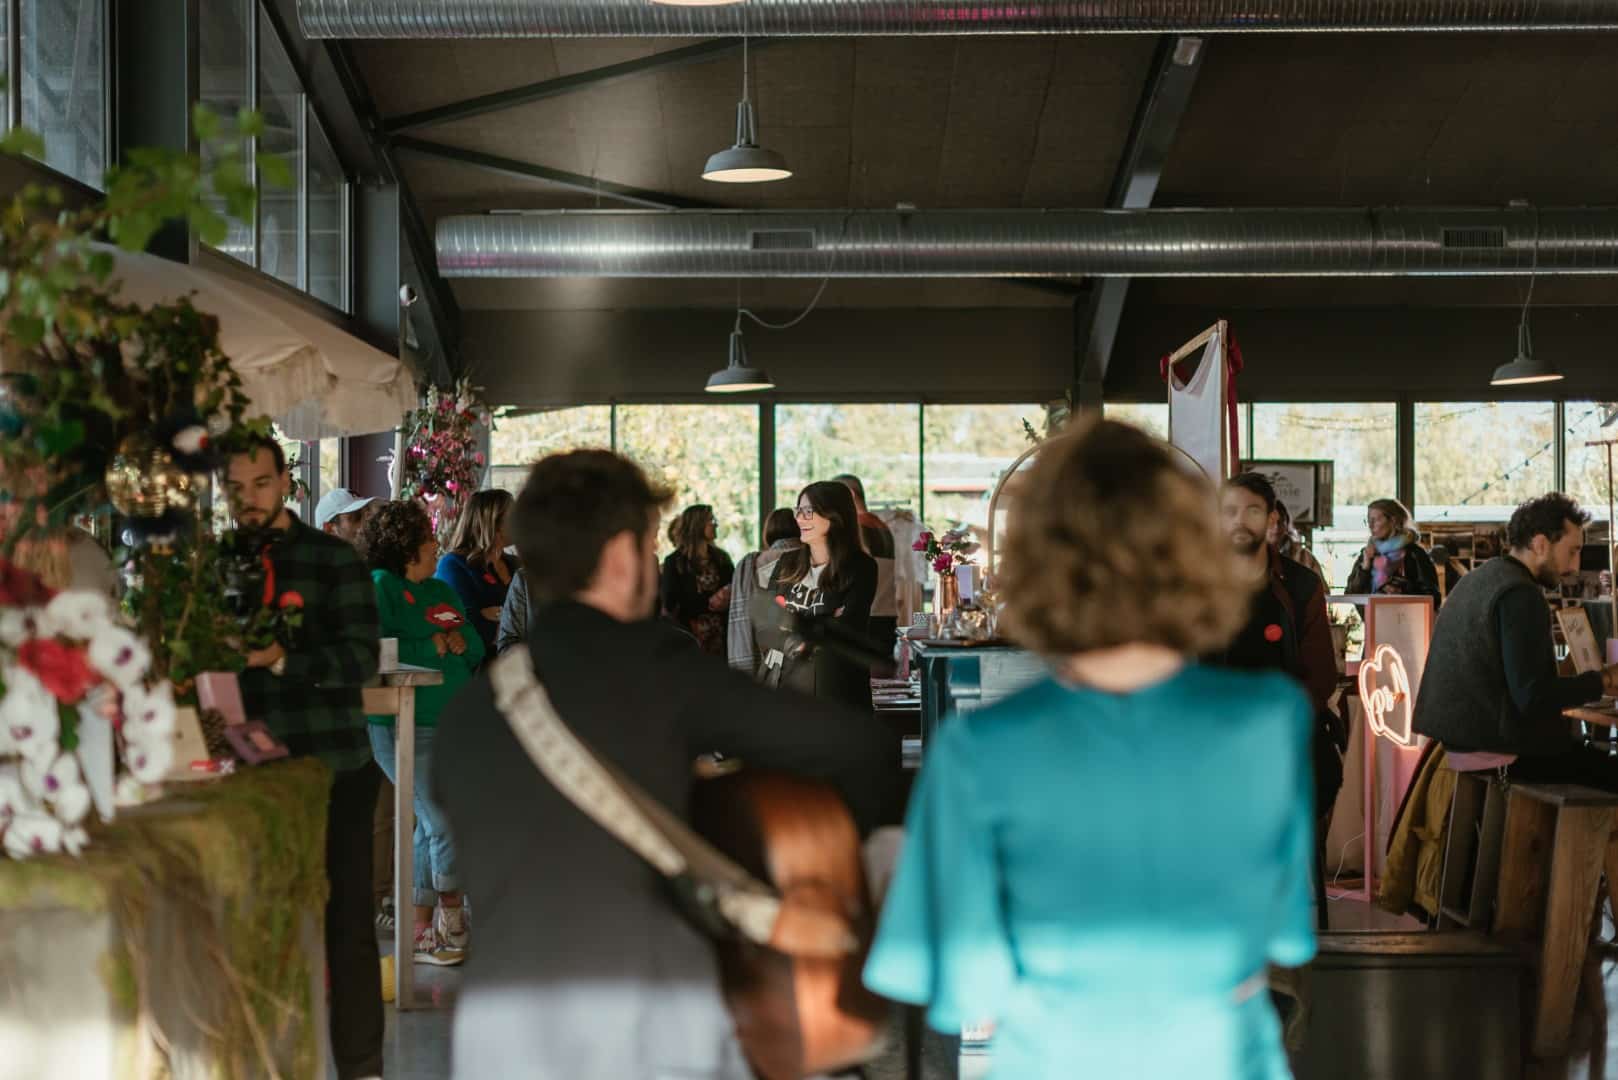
<point x="315" y="706"/>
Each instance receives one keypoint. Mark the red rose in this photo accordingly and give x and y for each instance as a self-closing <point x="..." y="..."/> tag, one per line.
<point x="64" y="670"/>
<point x="1272" y="633"/>
<point x="291" y="599"/>
<point x="21" y="588"/>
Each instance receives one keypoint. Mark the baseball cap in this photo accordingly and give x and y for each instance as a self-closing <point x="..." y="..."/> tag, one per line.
<point x="336" y="502"/>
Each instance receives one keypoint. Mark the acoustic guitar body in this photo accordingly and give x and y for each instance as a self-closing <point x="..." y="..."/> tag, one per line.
<point x="795" y="1016"/>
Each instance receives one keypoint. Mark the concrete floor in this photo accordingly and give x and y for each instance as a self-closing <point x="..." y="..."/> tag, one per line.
<point x="418" y="1041"/>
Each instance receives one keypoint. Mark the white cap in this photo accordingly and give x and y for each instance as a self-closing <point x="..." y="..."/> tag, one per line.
<point x="336" y="502"/>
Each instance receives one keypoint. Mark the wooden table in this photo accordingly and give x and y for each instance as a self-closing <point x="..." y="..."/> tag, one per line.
<point x="395" y="695"/>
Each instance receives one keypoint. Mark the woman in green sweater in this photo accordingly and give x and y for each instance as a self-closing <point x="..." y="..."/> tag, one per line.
<point x="425" y="614"/>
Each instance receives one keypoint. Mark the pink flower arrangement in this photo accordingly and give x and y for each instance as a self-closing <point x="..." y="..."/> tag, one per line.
<point x="442" y="463"/>
<point x="945" y="552"/>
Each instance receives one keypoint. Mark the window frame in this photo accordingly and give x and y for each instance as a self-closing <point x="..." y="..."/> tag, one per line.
<point x="14" y="71"/>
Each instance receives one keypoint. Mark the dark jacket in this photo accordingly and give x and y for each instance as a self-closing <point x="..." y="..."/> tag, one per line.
<point x="817" y="669"/>
<point x="1416" y="575"/>
<point x="682" y="599"/>
<point x="514" y="615"/>
<point x="1288" y="630"/>
<point x="1491" y="682"/>
<point x="571" y="923"/>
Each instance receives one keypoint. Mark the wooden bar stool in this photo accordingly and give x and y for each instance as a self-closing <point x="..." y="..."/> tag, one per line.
<point x="1558" y="839"/>
<point x="1471" y="873"/>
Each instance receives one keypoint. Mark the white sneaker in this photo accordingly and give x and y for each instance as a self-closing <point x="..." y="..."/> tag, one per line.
<point x="431" y="949"/>
<point x="453" y="926"/>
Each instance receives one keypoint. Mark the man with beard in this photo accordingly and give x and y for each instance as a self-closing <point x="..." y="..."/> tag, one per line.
<point x="306" y="689"/>
<point x="1490" y="691"/>
<point x="584" y="967"/>
<point x="1287" y="630"/>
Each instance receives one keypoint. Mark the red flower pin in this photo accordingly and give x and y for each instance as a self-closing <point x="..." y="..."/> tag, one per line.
<point x="410" y="598"/>
<point x="1272" y="633"/>
<point x="489" y="578"/>
<point x="291" y="599"/>
<point x="444" y="616"/>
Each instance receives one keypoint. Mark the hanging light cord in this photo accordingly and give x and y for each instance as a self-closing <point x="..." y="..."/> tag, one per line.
<point x="842" y="234"/>
<point x="744" y="67"/>
<point x="1533" y="275"/>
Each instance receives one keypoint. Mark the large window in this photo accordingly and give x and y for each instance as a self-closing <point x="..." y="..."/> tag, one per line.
<point x="327" y="220"/>
<point x="968" y="449"/>
<point x="519" y="441"/>
<point x="1475" y="461"/>
<point x="1360" y="440"/>
<point x="706" y="454"/>
<point x="280" y="209"/>
<point x="1587" y="478"/>
<point x="880" y="444"/>
<point x="225" y="51"/>
<point x="64" y="83"/>
<point x="1152" y="418"/>
<point x="5" y="68"/>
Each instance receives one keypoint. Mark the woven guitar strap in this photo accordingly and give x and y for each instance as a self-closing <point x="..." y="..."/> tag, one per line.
<point x="614" y="802"/>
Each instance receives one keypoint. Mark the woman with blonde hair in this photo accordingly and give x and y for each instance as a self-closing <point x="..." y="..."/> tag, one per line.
<point x="477" y="566"/>
<point x="695" y="587"/>
<point x="1393" y="560"/>
<point x="1121" y="849"/>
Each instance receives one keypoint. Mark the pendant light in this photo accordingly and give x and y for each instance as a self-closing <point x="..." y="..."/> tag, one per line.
<point x="1525" y="370"/>
<point x="746" y="162"/>
<point x="738" y="376"/>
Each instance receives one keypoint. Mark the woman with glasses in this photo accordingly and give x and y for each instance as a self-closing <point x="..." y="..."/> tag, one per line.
<point x="829" y="577"/>
<point x="1393" y="562"/>
<point x="695" y="586"/>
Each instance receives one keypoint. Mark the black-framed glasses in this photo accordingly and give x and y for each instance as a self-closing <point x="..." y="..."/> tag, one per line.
<point x="804" y="513"/>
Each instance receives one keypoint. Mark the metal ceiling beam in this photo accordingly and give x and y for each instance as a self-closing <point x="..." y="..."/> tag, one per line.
<point x="441" y="305"/>
<point x="566" y="84"/>
<point x="523" y="170"/>
<point x="1096" y="315"/>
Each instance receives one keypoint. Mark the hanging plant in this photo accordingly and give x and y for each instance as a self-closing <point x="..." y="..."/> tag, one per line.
<point x="441" y="464"/>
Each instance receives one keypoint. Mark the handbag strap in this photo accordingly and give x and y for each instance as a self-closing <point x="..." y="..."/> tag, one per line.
<point x="632" y="817"/>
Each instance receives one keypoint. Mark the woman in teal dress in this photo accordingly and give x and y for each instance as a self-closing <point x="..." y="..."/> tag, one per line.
<point x="1103" y="865"/>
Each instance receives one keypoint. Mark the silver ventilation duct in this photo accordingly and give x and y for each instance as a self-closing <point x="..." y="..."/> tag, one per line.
<point x="1029" y="243"/>
<point x="812" y="18"/>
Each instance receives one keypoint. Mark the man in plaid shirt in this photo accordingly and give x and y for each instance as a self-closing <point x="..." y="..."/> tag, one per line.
<point x="307" y="690"/>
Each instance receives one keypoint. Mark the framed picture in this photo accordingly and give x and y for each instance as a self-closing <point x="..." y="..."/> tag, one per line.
<point x="1305" y="487"/>
<point x="1580" y="636"/>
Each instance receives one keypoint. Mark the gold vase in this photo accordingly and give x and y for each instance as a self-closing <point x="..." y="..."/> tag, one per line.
<point x="948" y="596"/>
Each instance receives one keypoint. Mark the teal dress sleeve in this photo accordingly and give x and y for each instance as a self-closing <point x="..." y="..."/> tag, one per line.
<point x="943" y="937"/>
<point x="1292" y="937"/>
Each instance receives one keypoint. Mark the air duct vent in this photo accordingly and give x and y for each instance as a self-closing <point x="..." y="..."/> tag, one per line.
<point x="782" y="240"/>
<point x="1485" y="239"/>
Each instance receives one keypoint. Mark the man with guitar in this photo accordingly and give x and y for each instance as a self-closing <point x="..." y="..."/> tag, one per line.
<point x="585" y="966"/>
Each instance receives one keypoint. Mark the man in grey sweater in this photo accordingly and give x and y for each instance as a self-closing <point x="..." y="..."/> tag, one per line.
<point x="1491" y="692"/>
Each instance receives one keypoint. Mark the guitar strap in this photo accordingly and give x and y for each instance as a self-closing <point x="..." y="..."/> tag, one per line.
<point x="632" y="817"/>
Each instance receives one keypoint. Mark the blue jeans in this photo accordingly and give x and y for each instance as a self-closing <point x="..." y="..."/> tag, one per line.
<point x="434" y="847"/>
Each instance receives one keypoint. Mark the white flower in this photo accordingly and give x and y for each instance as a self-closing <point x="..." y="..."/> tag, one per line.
<point x="75" y="840"/>
<point x="77" y="613"/>
<point x="33" y="834"/>
<point x="28" y="713"/>
<point x="17" y="625"/>
<point x="190" y="440"/>
<point x="128" y="791"/>
<point x="13" y="799"/>
<point x="61" y="784"/>
<point x="71" y="804"/>
<point x="149" y="762"/>
<point x="119" y="655"/>
<point x="149" y="713"/>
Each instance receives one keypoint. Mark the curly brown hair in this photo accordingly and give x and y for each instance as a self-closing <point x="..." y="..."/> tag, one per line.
<point x="393" y="534"/>
<point x="689" y="532"/>
<point x="1113" y="542"/>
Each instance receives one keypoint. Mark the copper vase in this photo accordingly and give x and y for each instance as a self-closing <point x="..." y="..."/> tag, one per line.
<point x="948" y="596"/>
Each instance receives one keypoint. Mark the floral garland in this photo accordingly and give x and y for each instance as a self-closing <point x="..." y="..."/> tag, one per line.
<point x="59" y="661"/>
<point x="441" y="464"/>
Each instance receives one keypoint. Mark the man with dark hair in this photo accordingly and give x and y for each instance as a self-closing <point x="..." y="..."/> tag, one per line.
<point x="584" y="967"/>
<point x="1490" y="691"/>
<point x="1288" y="628"/>
<point x="306" y="688"/>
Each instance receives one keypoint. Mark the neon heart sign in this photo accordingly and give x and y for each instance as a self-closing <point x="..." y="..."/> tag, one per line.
<point x="1385" y="694"/>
